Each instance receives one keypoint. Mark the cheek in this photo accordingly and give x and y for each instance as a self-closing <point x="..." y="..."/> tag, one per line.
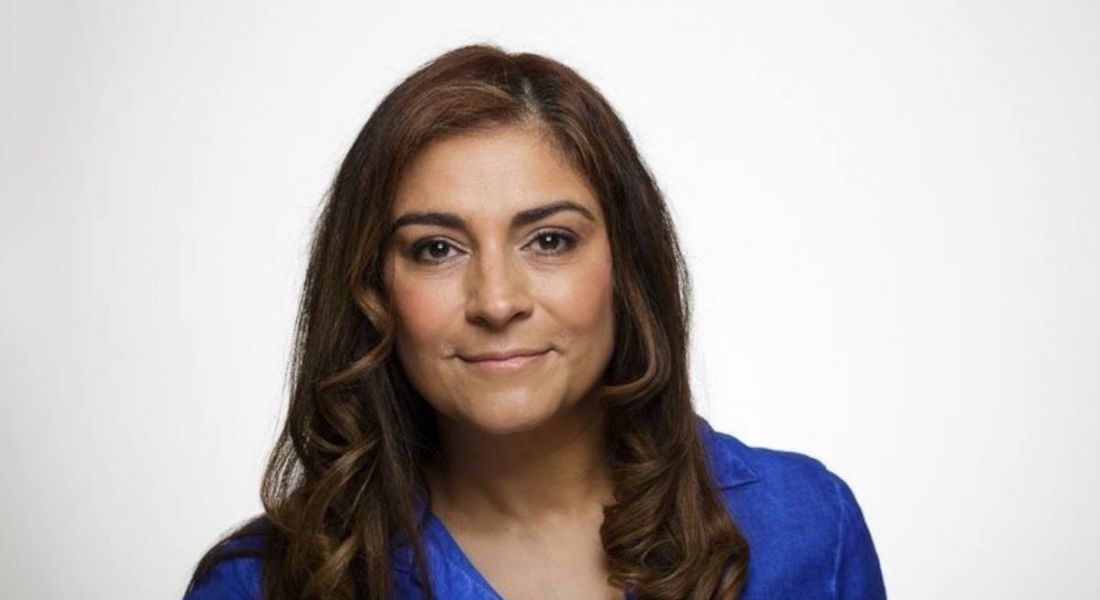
<point x="425" y="310"/>
<point x="583" y="300"/>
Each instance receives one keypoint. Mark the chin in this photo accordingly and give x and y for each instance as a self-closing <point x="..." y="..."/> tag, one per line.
<point x="504" y="416"/>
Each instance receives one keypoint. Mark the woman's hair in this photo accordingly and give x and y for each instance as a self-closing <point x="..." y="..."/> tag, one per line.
<point x="358" y="437"/>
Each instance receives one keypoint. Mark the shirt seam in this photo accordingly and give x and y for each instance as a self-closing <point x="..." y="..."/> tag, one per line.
<point x="840" y="538"/>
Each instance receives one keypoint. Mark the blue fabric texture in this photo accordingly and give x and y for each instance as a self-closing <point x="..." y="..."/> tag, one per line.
<point x="807" y="536"/>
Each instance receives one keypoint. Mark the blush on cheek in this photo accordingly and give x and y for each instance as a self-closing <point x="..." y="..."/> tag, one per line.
<point x="421" y="309"/>
<point x="586" y="299"/>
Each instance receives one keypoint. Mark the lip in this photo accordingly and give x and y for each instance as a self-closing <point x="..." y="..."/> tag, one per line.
<point x="503" y="355"/>
<point x="511" y="360"/>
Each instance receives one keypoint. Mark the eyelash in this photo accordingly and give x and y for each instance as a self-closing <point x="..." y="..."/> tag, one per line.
<point x="568" y="240"/>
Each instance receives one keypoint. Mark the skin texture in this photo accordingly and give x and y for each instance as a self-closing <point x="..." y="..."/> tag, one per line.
<point x="525" y="479"/>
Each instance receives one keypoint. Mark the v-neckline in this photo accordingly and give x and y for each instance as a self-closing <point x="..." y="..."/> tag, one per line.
<point x="454" y="554"/>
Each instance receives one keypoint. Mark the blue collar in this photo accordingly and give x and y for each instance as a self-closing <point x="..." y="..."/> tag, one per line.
<point x="728" y="469"/>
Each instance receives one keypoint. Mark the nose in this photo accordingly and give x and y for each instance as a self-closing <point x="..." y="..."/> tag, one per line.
<point x="497" y="290"/>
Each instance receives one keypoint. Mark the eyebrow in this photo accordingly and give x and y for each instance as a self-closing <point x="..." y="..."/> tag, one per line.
<point x="526" y="217"/>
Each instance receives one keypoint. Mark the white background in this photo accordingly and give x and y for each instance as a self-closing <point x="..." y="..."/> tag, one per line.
<point x="891" y="212"/>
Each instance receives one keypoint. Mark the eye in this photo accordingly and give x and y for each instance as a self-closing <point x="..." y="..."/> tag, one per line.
<point x="554" y="241"/>
<point x="431" y="251"/>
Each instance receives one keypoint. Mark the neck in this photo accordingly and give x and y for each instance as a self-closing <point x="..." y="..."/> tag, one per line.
<point x="556" y="471"/>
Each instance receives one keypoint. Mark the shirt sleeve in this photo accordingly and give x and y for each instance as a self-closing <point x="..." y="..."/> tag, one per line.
<point x="230" y="579"/>
<point x="857" y="572"/>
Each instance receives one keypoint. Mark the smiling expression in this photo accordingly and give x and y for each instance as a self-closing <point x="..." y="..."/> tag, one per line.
<point x="501" y="274"/>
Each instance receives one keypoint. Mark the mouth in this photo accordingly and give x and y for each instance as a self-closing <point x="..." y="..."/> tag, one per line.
<point x="504" y="361"/>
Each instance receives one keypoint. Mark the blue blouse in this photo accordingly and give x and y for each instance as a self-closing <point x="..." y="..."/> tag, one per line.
<point x="806" y="533"/>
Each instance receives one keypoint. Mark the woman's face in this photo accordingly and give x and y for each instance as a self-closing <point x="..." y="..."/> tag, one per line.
<point x="501" y="273"/>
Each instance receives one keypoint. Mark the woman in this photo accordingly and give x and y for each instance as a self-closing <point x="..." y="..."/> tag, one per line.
<point x="490" y="388"/>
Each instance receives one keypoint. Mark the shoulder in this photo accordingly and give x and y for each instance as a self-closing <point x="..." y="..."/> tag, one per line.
<point x="230" y="570"/>
<point x="734" y="464"/>
<point x="805" y="529"/>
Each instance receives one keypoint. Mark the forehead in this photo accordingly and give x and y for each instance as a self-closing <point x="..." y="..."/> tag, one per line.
<point x="490" y="173"/>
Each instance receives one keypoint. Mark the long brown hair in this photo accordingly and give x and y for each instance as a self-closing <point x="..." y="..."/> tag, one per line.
<point x="358" y="436"/>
